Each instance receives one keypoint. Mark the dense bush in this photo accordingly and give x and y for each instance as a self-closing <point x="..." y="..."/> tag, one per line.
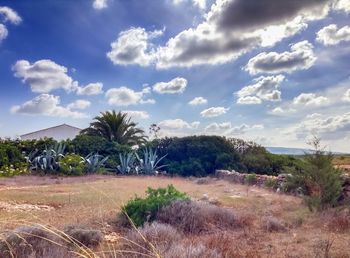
<point x="83" y="235"/>
<point x="198" y="155"/>
<point x="72" y="164"/>
<point x="318" y="179"/>
<point x="139" y="210"/>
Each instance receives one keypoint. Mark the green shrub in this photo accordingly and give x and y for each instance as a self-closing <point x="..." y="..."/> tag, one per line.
<point x="270" y="183"/>
<point x="72" y="164"/>
<point x="251" y="179"/>
<point x="9" y="171"/>
<point x="319" y="180"/>
<point x="140" y="210"/>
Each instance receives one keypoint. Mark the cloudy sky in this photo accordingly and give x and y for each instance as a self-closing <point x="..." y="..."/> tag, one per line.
<point x="271" y="71"/>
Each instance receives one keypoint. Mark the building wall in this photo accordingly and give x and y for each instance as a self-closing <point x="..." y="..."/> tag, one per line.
<point x="58" y="133"/>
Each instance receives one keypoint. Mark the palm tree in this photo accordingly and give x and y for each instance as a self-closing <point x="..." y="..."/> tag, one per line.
<point x="116" y="127"/>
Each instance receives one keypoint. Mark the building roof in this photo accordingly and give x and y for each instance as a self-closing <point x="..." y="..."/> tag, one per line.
<point x="53" y="127"/>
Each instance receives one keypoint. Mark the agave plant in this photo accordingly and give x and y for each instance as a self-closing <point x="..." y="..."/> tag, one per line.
<point x="150" y="161"/>
<point x="126" y="162"/>
<point x="48" y="160"/>
<point x="94" y="162"/>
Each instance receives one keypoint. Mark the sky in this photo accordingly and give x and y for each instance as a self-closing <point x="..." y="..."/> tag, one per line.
<point x="275" y="72"/>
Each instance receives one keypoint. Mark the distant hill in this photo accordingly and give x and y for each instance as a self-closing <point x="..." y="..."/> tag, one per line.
<point x="286" y="151"/>
<point x="292" y="151"/>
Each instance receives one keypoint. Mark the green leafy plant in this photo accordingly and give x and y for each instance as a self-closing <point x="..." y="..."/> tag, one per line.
<point x="251" y="179"/>
<point x="95" y="162"/>
<point x="319" y="180"/>
<point x="72" y="164"/>
<point x="139" y="210"/>
<point x="10" y="170"/>
<point x="270" y="183"/>
<point x="48" y="159"/>
<point x="126" y="162"/>
<point x="149" y="164"/>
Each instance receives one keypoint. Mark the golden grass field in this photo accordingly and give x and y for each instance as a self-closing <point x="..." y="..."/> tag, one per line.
<point x="95" y="200"/>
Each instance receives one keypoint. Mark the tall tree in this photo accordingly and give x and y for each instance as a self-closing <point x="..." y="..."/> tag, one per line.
<point x="116" y="127"/>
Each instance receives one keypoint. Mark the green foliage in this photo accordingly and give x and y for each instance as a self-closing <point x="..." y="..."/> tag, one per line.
<point x="251" y="179"/>
<point x="140" y="210"/>
<point x="10" y="155"/>
<point x="116" y="127"/>
<point x="95" y="162"/>
<point x="127" y="161"/>
<point x="319" y="180"/>
<point x="149" y="161"/>
<point x="197" y="155"/>
<point x="270" y="183"/>
<point x="10" y="170"/>
<point x="72" y="164"/>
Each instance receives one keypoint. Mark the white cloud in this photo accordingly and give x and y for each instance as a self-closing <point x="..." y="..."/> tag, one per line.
<point x="10" y="15"/>
<point x="91" y="89"/>
<point x="47" y="105"/>
<point x="249" y="100"/>
<point x="226" y="128"/>
<point x="176" y="85"/>
<point x="214" y="111"/>
<point x="137" y="114"/>
<point x="198" y="101"/>
<point x="342" y="5"/>
<point x="331" y="35"/>
<point x="44" y="76"/>
<point x="335" y="126"/>
<point x="201" y="4"/>
<point x="3" y="32"/>
<point x="301" y="57"/>
<point x="347" y="95"/>
<point x="79" y="104"/>
<point x="124" y="96"/>
<point x="100" y="4"/>
<point x="132" y="47"/>
<point x="263" y="88"/>
<point x="310" y="99"/>
<point x="177" y="124"/>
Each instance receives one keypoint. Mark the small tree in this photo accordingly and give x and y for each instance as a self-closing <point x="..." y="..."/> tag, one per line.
<point x="319" y="179"/>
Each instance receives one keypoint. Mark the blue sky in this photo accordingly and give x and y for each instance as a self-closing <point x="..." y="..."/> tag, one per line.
<point x="275" y="72"/>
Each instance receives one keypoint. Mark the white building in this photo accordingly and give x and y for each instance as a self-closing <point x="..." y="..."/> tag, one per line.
<point x="60" y="132"/>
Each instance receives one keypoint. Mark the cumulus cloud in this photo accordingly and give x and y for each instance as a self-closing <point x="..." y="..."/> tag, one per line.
<point x="3" y="32"/>
<point x="310" y="99"/>
<point x="44" y="76"/>
<point x="342" y="5"/>
<point x="226" y="128"/>
<point x="263" y="88"/>
<point x="91" y="89"/>
<point x="177" y="124"/>
<point x="347" y="95"/>
<point x="9" y="15"/>
<point x="124" y="96"/>
<point x="133" y="47"/>
<point x="47" y="105"/>
<point x="99" y="4"/>
<point x="137" y="114"/>
<point x="198" y="101"/>
<point x="335" y="126"/>
<point x="176" y="85"/>
<point x="234" y="27"/>
<point x="79" y="104"/>
<point x="201" y="4"/>
<point x="331" y="35"/>
<point x="214" y="111"/>
<point x="301" y="57"/>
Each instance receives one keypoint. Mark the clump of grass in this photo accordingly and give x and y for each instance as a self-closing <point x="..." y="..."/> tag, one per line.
<point x="271" y="224"/>
<point x="83" y="235"/>
<point x="338" y="221"/>
<point x="151" y="238"/>
<point x="191" y="250"/>
<point x="251" y="179"/>
<point x="32" y="241"/>
<point x="196" y="217"/>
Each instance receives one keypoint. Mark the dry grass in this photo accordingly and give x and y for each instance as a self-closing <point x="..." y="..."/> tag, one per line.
<point x="96" y="200"/>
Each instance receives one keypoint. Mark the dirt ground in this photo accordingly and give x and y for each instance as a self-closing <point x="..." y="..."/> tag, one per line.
<point x="95" y="200"/>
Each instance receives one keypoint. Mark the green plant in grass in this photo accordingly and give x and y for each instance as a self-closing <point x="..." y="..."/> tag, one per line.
<point x="270" y="183"/>
<point x="140" y="210"/>
<point x="72" y="164"/>
<point x="251" y="179"/>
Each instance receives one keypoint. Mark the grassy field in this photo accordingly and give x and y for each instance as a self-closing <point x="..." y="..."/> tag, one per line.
<point x="96" y="200"/>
